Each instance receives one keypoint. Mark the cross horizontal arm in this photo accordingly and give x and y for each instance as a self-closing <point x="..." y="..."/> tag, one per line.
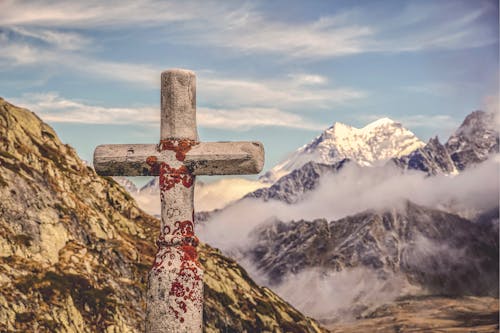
<point x="204" y="158"/>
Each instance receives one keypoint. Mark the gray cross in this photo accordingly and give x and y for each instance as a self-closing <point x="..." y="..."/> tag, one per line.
<point x="175" y="282"/>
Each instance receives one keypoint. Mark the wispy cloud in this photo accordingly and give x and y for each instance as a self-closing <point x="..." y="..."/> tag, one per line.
<point x="54" y="108"/>
<point x="94" y="13"/>
<point x="302" y="92"/>
<point x="242" y="27"/>
<point x="245" y="118"/>
<point x="60" y="40"/>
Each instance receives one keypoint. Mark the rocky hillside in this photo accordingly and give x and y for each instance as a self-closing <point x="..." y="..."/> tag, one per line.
<point x="75" y="248"/>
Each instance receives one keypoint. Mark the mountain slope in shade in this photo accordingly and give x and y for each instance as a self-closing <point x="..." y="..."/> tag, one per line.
<point x="376" y="255"/>
<point x="376" y="142"/>
<point x="475" y="140"/>
<point x="75" y="248"/>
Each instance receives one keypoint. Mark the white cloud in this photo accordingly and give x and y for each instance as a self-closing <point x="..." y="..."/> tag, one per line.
<point x="54" y="108"/>
<point x="245" y="118"/>
<point x="94" y="13"/>
<point x="282" y="94"/>
<point x="61" y="40"/>
<point x="308" y="79"/>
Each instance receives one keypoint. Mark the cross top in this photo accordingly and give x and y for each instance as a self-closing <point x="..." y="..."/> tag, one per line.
<point x="175" y="282"/>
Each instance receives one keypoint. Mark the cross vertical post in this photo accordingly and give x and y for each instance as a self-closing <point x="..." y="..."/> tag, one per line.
<point x="174" y="299"/>
<point x="175" y="283"/>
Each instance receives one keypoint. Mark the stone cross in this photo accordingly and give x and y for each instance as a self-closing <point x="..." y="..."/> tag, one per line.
<point x="175" y="283"/>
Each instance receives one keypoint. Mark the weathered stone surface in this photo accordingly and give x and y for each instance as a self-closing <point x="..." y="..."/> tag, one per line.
<point x="205" y="158"/>
<point x="92" y="277"/>
<point x="178" y="100"/>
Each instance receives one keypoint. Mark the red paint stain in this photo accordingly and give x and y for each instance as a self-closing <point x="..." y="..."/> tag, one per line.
<point x="170" y="176"/>
<point x="180" y="147"/>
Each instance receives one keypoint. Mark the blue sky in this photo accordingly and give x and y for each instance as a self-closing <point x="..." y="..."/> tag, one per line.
<point x="274" y="71"/>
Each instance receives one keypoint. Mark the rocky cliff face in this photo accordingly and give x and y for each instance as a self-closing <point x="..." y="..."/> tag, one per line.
<point x="75" y="248"/>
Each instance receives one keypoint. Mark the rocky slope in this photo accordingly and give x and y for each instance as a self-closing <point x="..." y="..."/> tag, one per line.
<point x="376" y="142"/>
<point x="75" y="248"/>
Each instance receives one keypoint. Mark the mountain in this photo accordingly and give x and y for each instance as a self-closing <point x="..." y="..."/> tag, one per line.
<point x="75" y="248"/>
<point x="387" y="240"/>
<point x="475" y="140"/>
<point x="376" y="142"/>
<point x="405" y="248"/>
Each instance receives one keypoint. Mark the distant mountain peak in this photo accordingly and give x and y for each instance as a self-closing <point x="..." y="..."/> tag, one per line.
<point x="378" y="141"/>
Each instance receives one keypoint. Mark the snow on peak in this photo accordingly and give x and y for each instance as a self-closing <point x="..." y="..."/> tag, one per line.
<point x="376" y="142"/>
<point x="380" y="122"/>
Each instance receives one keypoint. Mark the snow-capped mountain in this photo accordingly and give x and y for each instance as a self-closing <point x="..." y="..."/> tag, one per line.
<point x="475" y="140"/>
<point x="378" y="141"/>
